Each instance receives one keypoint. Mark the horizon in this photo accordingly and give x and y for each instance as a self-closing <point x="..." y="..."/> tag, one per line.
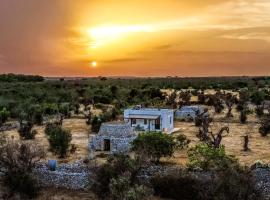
<point x="189" y="38"/>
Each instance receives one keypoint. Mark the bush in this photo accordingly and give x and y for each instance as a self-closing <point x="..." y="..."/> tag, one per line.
<point x="59" y="139"/>
<point x="181" y="141"/>
<point x="235" y="183"/>
<point x="109" y="177"/>
<point x="17" y="160"/>
<point x="26" y="132"/>
<point x="264" y="128"/>
<point x="243" y="116"/>
<point x="154" y="145"/>
<point x="4" y="115"/>
<point x="122" y="189"/>
<point x="259" y="111"/>
<point x="176" y="186"/>
<point x="209" y="158"/>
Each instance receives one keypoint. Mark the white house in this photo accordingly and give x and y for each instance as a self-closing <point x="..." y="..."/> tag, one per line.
<point x="150" y="119"/>
<point x="188" y="112"/>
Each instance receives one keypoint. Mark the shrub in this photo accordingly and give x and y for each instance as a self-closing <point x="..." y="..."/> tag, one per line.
<point x="154" y="145"/>
<point x="264" y="128"/>
<point x="229" y="180"/>
<point x="108" y="176"/>
<point x="122" y="189"/>
<point x="235" y="183"/>
<point x="105" y="117"/>
<point x="17" y="161"/>
<point x="59" y="139"/>
<point x="181" y="141"/>
<point x="64" y="109"/>
<point x="96" y="123"/>
<point x="259" y="111"/>
<point x="176" y="185"/>
<point x="26" y="131"/>
<point x="243" y="116"/>
<point x="209" y="158"/>
<point x="4" y="115"/>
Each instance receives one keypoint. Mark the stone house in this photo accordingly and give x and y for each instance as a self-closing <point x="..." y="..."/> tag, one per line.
<point x="188" y="112"/>
<point x="114" y="137"/>
<point x="150" y="119"/>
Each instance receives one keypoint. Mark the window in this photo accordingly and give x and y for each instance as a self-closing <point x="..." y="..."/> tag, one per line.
<point x="170" y="120"/>
<point x="145" y="122"/>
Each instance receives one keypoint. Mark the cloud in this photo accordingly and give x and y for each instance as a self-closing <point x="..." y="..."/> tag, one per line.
<point x="123" y="60"/>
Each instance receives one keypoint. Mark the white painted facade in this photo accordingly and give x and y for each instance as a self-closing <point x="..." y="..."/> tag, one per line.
<point x="150" y="119"/>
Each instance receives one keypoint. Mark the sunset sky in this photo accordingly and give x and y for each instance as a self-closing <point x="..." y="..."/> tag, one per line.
<point x="135" y="37"/>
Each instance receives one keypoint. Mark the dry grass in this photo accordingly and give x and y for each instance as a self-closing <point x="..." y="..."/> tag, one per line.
<point x="233" y="142"/>
<point x="80" y="137"/>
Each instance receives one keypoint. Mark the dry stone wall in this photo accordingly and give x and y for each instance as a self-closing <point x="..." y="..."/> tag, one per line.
<point x="74" y="176"/>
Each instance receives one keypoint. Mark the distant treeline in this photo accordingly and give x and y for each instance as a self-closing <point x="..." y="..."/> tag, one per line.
<point x="22" y="95"/>
<point x="20" y="78"/>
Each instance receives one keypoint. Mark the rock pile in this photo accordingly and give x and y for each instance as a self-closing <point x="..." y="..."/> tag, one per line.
<point x="74" y="176"/>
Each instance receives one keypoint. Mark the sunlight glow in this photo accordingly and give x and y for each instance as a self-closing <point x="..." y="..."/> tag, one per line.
<point x="104" y="35"/>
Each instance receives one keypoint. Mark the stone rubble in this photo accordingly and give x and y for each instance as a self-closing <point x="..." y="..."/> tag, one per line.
<point x="9" y="126"/>
<point x="74" y="176"/>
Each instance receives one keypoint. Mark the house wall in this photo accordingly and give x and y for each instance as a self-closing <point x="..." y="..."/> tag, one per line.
<point x="166" y="119"/>
<point x="117" y="145"/>
<point x="167" y="122"/>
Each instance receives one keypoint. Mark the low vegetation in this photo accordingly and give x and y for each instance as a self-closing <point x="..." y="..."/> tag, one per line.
<point x="59" y="139"/>
<point x="17" y="161"/>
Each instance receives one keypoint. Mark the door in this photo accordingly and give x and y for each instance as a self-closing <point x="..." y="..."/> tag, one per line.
<point x="157" y="124"/>
<point x="107" y="145"/>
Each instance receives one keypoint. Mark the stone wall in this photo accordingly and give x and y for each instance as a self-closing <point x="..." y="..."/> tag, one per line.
<point x="9" y="126"/>
<point x="117" y="145"/>
<point x="74" y="176"/>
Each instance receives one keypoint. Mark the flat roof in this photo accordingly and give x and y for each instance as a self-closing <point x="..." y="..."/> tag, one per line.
<point x="144" y="116"/>
<point x="151" y="109"/>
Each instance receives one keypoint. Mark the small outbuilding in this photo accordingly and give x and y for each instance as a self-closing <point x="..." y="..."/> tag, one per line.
<point x="114" y="137"/>
<point x="188" y="112"/>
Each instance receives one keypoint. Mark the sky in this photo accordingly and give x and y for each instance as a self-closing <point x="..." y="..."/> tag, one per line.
<point x="135" y="37"/>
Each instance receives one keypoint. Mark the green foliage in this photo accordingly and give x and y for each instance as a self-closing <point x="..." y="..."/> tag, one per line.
<point x="181" y="141"/>
<point x="64" y="109"/>
<point x="122" y="189"/>
<point x="264" y="128"/>
<point x="59" y="139"/>
<point x="209" y="158"/>
<point x="177" y="185"/>
<point x="235" y="183"/>
<point x="20" y="78"/>
<point x="17" y="161"/>
<point x="154" y="145"/>
<point x="4" y="115"/>
<point x="26" y="132"/>
<point x="105" y="117"/>
<point x="243" y="116"/>
<point x="257" y="97"/>
<point x="118" y="176"/>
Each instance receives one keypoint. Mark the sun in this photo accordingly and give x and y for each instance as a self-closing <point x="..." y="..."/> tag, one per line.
<point x="94" y="64"/>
